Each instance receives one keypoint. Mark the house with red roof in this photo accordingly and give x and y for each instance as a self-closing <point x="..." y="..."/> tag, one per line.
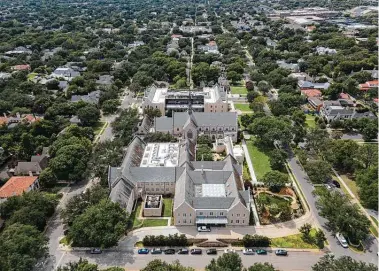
<point x="369" y="84"/>
<point x="24" y="67"/>
<point x="17" y="185"/>
<point x="311" y="92"/>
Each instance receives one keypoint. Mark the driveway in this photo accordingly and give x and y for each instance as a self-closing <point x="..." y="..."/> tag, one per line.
<point x="372" y="245"/>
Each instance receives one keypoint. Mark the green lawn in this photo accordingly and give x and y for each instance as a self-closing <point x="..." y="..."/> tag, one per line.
<point x="238" y="89"/>
<point x="31" y="75"/>
<point x="167" y="207"/>
<point x="154" y="222"/>
<point x="351" y="184"/>
<point x="310" y="121"/>
<point x="260" y="160"/>
<point x="134" y="215"/>
<point x="292" y="241"/>
<point x="243" y="107"/>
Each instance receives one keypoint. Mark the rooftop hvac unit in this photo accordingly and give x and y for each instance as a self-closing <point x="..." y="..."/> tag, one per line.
<point x="149" y="198"/>
<point x="156" y="198"/>
<point x="148" y="204"/>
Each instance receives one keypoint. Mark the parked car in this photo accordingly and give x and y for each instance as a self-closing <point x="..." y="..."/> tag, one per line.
<point x="143" y="251"/>
<point x="248" y="251"/>
<point x="261" y="251"/>
<point x="156" y="251"/>
<point x="281" y="252"/>
<point x="341" y="239"/>
<point x="336" y="183"/>
<point x="96" y="251"/>
<point x="229" y="250"/>
<point x="169" y="251"/>
<point x="211" y="251"/>
<point x="203" y="229"/>
<point x="196" y="251"/>
<point x="183" y="251"/>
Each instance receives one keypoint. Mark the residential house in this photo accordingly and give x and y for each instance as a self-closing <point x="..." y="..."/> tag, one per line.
<point x="342" y="110"/>
<point x="300" y="76"/>
<point x="17" y="185"/>
<point x="5" y="75"/>
<point x="315" y="103"/>
<point x="293" y="67"/>
<point x="311" y="92"/>
<point x="33" y="168"/>
<point x="66" y="73"/>
<point x="368" y="85"/>
<point x="211" y="47"/>
<point x="19" y="50"/>
<point x="136" y="44"/>
<point x="92" y="97"/>
<point x="307" y="85"/>
<point x="105" y="80"/>
<point x="325" y="51"/>
<point x="23" y="67"/>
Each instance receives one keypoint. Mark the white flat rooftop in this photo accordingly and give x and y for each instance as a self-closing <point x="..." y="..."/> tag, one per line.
<point x="213" y="190"/>
<point x="160" y="155"/>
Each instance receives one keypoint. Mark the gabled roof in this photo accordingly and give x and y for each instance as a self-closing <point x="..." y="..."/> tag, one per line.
<point x="16" y="185"/>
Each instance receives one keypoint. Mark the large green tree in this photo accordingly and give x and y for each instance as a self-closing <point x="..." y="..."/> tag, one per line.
<point x="344" y="263"/>
<point x="100" y="225"/>
<point x="226" y="262"/>
<point x="21" y="247"/>
<point x="159" y="265"/>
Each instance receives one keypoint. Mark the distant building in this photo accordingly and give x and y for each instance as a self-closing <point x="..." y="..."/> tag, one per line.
<point x="66" y="73"/>
<point x="24" y="67"/>
<point x="17" y="185"/>
<point x="293" y="67"/>
<point x="19" y="50"/>
<point x="368" y="85"/>
<point x="136" y="44"/>
<point x="92" y="97"/>
<point x="325" y="51"/>
<point x="211" y="99"/>
<point x="307" y="85"/>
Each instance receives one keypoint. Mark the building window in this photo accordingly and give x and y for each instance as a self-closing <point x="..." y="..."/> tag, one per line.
<point x="243" y="221"/>
<point x="244" y="214"/>
<point x="231" y="221"/>
<point x="184" y="221"/>
<point x="178" y="221"/>
<point x="177" y="129"/>
<point x="190" y="214"/>
<point x="238" y="214"/>
<point x="232" y="214"/>
<point x="211" y="111"/>
<point x="184" y="215"/>
<point x="211" y="106"/>
<point x="201" y="213"/>
<point x="210" y="213"/>
<point x="190" y="221"/>
<point x="237" y="221"/>
<point x="221" y="213"/>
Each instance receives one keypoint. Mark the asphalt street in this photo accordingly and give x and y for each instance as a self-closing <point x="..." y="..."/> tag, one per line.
<point x="133" y="261"/>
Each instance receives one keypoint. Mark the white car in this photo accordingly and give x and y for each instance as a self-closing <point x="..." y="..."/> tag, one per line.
<point x="203" y="229"/>
<point x="229" y="250"/>
<point x="248" y="251"/>
<point x="341" y="239"/>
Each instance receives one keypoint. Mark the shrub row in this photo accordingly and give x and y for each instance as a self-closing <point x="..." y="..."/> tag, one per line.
<point x="161" y="240"/>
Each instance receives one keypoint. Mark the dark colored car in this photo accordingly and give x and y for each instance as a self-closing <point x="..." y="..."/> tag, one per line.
<point x="261" y="252"/>
<point x="196" y="251"/>
<point x="156" y="251"/>
<point x="336" y="184"/>
<point x="143" y="251"/>
<point x="183" y="251"/>
<point x="211" y="251"/>
<point x="96" y="251"/>
<point x="169" y="251"/>
<point x="281" y="252"/>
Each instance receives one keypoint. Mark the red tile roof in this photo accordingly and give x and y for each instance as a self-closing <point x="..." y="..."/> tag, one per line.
<point x="16" y="185"/>
<point x="368" y="85"/>
<point x="344" y="96"/>
<point x="21" y="67"/>
<point x="3" y="120"/>
<point x="311" y="92"/>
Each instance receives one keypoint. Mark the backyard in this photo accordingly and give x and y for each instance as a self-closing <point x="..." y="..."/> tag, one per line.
<point x="153" y="222"/>
<point x="260" y="160"/>
<point x="310" y="121"/>
<point x="243" y="107"/>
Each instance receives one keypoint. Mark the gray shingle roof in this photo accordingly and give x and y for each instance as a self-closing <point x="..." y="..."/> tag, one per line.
<point x="212" y="203"/>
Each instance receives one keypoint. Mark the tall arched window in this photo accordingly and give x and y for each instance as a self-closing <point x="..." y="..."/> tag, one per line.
<point x="189" y="134"/>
